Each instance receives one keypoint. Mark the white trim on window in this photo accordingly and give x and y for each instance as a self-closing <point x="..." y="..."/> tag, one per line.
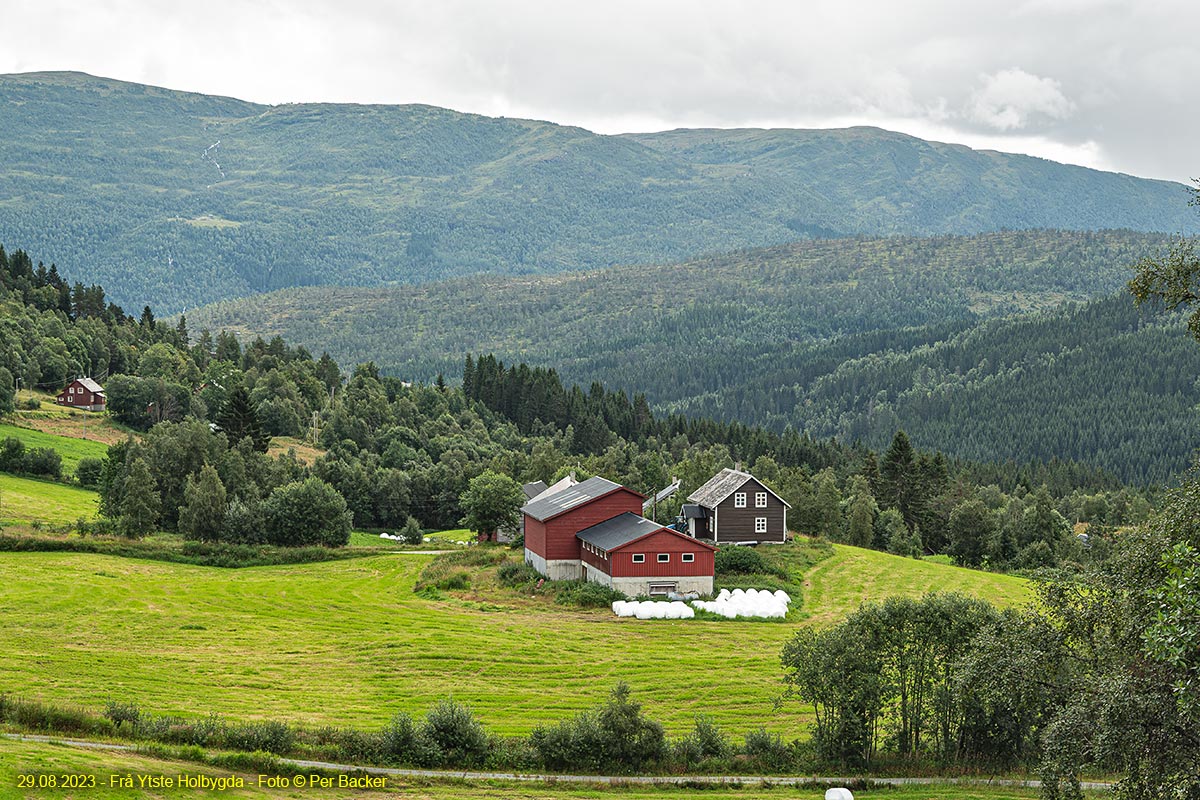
<point x="760" y="499"/>
<point x="739" y="500"/>
<point x="760" y="524"/>
<point x="639" y="558"/>
<point x="689" y="558"/>
<point x="664" y="558"/>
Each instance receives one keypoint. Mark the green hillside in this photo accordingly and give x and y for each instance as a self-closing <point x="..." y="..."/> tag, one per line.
<point x="852" y="338"/>
<point x="350" y="643"/>
<point x="72" y="449"/>
<point x="179" y="199"/>
<point x="25" y="500"/>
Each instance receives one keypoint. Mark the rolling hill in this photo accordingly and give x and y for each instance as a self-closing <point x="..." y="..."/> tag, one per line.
<point x="962" y="341"/>
<point x="180" y="199"/>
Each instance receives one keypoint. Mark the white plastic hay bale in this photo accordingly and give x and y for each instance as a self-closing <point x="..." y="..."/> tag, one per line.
<point x="738" y="593"/>
<point x="723" y="595"/>
<point x="384" y="536"/>
<point x="618" y="606"/>
<point x="838" y="793"/>
<point x="643" y="610"/>
<point x="688" y="613"/>
<point x="783" y="597"/>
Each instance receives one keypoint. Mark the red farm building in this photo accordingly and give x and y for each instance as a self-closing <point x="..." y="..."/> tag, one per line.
<point x="83" y="393"/>
<point x="594" y="530"/>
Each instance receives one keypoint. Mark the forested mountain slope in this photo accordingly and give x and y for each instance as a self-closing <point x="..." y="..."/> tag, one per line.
<point x="851" y="337"/>
<point x="179" y="199"/>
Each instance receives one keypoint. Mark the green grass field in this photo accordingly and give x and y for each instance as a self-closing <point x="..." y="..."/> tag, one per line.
<point x="453" y="536"/>
<point x="71" y="449"/>
<point x="24" y="758"/>
<point x="349" y="643"/>
<point x="25" y="500"/>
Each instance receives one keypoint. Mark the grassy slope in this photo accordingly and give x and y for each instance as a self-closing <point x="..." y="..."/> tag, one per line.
<point x="71" y="448"/>
<point x="23" y="500"/>
<point x="27" y="757"/>
<point x="349" y="642"/>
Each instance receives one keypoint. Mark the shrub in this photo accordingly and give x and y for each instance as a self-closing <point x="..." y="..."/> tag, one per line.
<point x="88" y="470"/>
<point x="457" y="581"/>
<point x="740" y="560"/>
<point x="43" y="461"/>
<point x="243" y="522"/>
<point x="270" y="737"/>
<point x="709" y="740"/>
<point x="306" y="512"/>
<point x="121" y="713"/>
<point x="402" y="742"/>
<point x="614" y="737"/>
<point x="586" y="594"/>
<point x="768" y="749"/>
<point x="453" y="729"/>
<point x="517" y="573"/>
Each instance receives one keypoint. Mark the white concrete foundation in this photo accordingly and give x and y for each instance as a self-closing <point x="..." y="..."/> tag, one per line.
<point x="556" y="570"/>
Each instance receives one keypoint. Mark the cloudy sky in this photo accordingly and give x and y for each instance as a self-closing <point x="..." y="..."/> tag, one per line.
<point x="1103" y="83"/>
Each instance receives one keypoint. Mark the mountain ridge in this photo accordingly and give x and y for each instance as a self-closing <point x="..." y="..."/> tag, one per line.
<point x="180" y="198"/>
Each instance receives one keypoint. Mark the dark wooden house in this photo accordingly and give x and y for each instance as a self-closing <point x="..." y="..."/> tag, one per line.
<point x="735" y="507"/>
<point x="83" y="393"/>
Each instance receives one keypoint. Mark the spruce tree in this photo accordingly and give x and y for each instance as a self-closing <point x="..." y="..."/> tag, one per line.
<point x="239" y="421"/>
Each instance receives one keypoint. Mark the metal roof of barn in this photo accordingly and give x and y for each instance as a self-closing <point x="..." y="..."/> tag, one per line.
<point x="533" y="489"/>
<point x="551" y="504"/>
<point x="621" y="529"/>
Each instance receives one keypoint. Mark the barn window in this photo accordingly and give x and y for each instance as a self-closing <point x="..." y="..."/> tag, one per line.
<point x="639" y="558"/>
<point x="739" y="500"/>
<point x="760" y="524"/>
<point x="760" y="500"/>
<point x="689" y="558"/>
<point x="663" y="558"/>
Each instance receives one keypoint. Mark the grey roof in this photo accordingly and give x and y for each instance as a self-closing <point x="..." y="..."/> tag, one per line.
<point x="663" y="495"/>
<point x="723" y="484"/>
<point x="552" y="505"/>
<point x="533" y="489"/>
<point x="621" y="529"/>
<point x="92" y="386"/>
<point x="694" y="511"/>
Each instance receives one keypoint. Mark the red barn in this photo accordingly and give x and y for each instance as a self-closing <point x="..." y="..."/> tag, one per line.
<point x="637" y="556"/>
<point x="594" y="531"/>
<point x="83" y="393"/>
<point x="554" y="517"/>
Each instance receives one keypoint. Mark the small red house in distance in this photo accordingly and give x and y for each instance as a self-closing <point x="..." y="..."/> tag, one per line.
<point x="83" y="393"/>
<point x="594" y="531"/>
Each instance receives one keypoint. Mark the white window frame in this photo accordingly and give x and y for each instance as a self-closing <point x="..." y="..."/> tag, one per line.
<point x="760" y="499"/>
<point x="760" y="524"/>
<point x="664" y="558"/>
<point x="688" y="558"/>
<point x="739" y="500"/>
<point x="639" y="558"/>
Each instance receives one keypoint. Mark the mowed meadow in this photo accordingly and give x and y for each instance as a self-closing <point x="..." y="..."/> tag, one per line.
<point x="349" y="643"/>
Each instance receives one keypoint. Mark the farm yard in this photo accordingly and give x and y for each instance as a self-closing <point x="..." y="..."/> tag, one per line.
<point x="350" y="643"/>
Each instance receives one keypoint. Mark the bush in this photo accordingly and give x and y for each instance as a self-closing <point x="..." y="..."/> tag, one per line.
<point x="306" y="512"/>
<point x="586" y="594"/>
<point x="517" y="573"/>
<point x="453" y="729"/>
<point x="740" y="560"/>
<point x="243" y="523"/>
<point x="43" y="461"/>
<point x="403" y="742"/>
<point x="121" y="713"/>
<point x="614" y="737"/>
<point x="88" y="470"/>
<point x="270" y="737"/>
<point x="768" y="749"/>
